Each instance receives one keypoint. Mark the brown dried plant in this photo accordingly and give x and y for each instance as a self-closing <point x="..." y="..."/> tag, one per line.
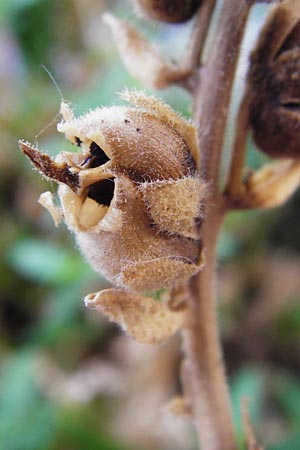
<point x="143" y="195"/>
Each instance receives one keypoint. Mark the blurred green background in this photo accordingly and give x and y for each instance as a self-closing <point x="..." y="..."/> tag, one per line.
<point x="68" y="379"/>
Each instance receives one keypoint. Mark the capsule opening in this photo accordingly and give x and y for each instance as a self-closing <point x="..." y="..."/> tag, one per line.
<point x="98" y="155"/>
<point x="292" y="105"/>
<point x="102" y="191"/>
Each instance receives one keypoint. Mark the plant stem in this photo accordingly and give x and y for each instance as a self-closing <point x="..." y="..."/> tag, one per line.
<point x="212" y="96"/>
<point x="234" y="184"/>
<point x="203" y="370"/>
<point x="199" y="33"/>
<point x="196" y="43"/>
<point x="204" y="378"/>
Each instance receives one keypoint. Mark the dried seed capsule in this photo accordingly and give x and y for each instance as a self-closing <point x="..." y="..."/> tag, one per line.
<point x="274" y="84"/>
<point x="172" y="11"/>
<point x="133" y="196"/>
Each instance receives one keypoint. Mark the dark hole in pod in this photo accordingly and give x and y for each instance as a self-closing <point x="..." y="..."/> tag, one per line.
<point x="78" y="141"/>
<point x="102" y="191"/>
<point x="99" y="157"/>
<point x="292" y="106"/>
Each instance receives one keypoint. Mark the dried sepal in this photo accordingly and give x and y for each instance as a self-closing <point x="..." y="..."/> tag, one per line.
<point x="47" y="201"/>
<point x="167" y="271"/>
<point x="142" y="59"/>
<point x="143" y="318"/>
<point x="59" y="172"/>
<point x="274" y="83"/>
<point x="166" y="114"/>
<point x="66" y="110"/>
<point x="71" y="205"/>
<point x="272" y="185"/>
<point x="170" y="11"/>
<point x="114" y="217"/>
<point x="177" y="297"/>
<point x="176" y="206"/>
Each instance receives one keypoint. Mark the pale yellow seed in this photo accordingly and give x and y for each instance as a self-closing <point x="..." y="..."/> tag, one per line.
<point x="91" y="213"/>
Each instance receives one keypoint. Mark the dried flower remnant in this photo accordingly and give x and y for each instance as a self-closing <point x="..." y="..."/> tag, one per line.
<point x="171" y="11"/>
<point x="141" y="58"/>
<point x="272" y="185"/>
<point x="274" y="83"/>
<point x="134" y="162"/>
<point x="144" y="319"/>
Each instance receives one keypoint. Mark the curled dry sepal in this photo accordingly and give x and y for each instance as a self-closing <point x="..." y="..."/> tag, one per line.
<point x="141" y="58"/>
<point x="272" y="185"/>
<point x="143" y="318"/>
<point x="132" y="196"/>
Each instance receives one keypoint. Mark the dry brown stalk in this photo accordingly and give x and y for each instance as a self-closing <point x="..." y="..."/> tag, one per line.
<point x="204" y="377"/>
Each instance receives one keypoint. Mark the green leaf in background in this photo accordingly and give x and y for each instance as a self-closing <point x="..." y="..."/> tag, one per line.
<point x="287" y="393"/>
<point x="31" y="421"/>
<point x="227" y="246"/>
<point x="29" y="19"/>
<point x="64" y="318"/>
<point x="45" y="262"/>
<point x="286" y="328"/>
<point x="81" y="431"/>
<point x="254" y="158"/>
<point x="292" y="442"/>
<point x="26" y="417"/>
<point x="247" y="384"/>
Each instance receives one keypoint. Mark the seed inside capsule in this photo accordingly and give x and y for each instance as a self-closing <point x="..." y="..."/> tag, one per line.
<point x="91" y="213"/>
<point x="97" y="202"/>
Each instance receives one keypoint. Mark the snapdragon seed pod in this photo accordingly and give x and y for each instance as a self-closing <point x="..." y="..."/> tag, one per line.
<point x="137" y="203"/>
<point x="175" y="11"/>
<point x="274" y="84"/>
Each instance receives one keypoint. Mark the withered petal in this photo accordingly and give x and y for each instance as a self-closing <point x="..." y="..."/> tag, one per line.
<point x="49" y="168"/>
<point x="143" y="318"/>
<point x="176" y="205"/>
<point x="158" y="273"/>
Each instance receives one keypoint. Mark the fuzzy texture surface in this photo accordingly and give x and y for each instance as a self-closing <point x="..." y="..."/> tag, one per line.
<point x="138" y="202"/>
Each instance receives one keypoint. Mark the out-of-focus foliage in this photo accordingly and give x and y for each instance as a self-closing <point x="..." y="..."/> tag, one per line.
<point x="68" y="379"/>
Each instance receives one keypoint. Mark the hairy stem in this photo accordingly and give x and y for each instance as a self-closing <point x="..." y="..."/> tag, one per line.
<point x="195" y="47"/>
<point x="212" y="96"/>
<point x="199" y="33"/>
<point x="204" y="377"/>
<point x="203" y="369"/>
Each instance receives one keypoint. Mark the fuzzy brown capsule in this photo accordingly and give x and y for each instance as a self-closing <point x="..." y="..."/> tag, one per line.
<point x="274" y="83"/>
<point x="175" y="11"/>
<point x="132" y="195"/>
